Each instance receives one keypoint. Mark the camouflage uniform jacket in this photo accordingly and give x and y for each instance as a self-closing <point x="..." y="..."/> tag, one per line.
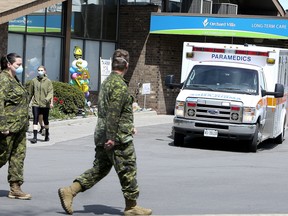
<point x="41" y="92"/>
<point x="13" y="104"/>
<point x="115" y="113"/>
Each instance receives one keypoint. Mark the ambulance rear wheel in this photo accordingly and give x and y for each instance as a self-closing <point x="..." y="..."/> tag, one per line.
<point x="178" y="139"/>
<point x="252" y="144"/>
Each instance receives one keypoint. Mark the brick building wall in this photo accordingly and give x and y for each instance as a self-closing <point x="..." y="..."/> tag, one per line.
<point x="134" y="24"/>
<point x="152" y="57"/>
<point x="3" y="39"/>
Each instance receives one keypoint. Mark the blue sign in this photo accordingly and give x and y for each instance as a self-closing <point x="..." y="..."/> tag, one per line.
<point x="272" y="28"/>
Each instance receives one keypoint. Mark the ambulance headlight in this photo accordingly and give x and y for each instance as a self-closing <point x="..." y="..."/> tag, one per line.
<point x="179" y="108"/>
<point x="249" y="115"/>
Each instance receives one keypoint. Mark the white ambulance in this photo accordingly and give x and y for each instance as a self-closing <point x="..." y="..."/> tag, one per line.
<point x="231" y="91"/>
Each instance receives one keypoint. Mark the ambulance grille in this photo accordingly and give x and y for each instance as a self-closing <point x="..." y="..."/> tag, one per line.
<point x="213" y="110"/>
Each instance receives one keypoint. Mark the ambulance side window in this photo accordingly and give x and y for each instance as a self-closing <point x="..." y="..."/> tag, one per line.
<point x="285" y="78"/>
<point x="262" y="81"/>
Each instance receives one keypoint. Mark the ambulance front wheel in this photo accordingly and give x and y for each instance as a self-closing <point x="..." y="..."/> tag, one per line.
<point x="178" y="139"/>
<point x="252" y="144"/>
<point x="279" y="139"/>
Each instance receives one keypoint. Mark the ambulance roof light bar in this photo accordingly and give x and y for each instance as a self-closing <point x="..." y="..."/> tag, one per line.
<point x="206" y="49"/>
<point x="256" y="53"/>
<point x="219" y="50"/>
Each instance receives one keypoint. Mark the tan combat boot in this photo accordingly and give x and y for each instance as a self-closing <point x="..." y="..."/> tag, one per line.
<point x="133" y="209"/>
<point x="66" y="195"/>
<point x="17" y="193"/>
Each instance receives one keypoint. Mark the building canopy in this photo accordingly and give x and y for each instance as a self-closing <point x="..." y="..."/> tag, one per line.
<point x="17" y="8"/>
<point x="240" y="26"/>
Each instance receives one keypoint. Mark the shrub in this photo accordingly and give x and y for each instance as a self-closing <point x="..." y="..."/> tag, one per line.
<point x="69" y="98"/>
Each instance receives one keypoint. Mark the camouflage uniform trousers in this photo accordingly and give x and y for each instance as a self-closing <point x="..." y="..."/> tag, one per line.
<point x="123" y="158"/>
<point x="13" y="150"/>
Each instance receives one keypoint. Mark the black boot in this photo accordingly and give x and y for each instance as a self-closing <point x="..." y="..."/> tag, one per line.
<point x="41" y="130"/>
<point x="34" y="140"/>
<point x="47" y="134"/>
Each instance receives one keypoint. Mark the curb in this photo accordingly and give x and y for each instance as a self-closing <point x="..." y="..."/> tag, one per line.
<point x="91" y="118"/>
<point x="63" y="130"/>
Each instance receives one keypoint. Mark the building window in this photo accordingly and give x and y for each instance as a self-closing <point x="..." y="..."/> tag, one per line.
<point x="164" y="5"/>
<point x="109" y="20"/>
<point x="38" y="37"/>
<point x="46" y="20"/>
<point x="52" y="53"/>
<point x="16" y="44"/>
<point x="35" y="23"/>
<point x="94" y="19"/>
<point x="33" y="56"/>
<point x="54" y="19"/>
<point x="92" y="56"/>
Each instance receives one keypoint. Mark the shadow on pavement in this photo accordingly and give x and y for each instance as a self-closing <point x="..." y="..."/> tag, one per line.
<point x="223" y="144"/>
<point x="4" y="193"/>
<point x="100" y="210"/>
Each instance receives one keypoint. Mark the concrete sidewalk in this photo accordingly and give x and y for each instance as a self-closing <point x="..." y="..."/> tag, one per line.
<point x="64" y="130"/>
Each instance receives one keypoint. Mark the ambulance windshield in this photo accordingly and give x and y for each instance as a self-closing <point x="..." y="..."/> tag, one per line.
<point x="226" y="79"/>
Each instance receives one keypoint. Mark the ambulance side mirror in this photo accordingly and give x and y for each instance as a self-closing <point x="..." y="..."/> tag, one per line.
<point x="278" y="92"/>
<point x="169" y="82"/>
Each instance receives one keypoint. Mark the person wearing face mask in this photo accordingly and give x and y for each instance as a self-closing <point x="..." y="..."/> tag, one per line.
<point x="14" y="104"/>
<point x="41" y="94"/>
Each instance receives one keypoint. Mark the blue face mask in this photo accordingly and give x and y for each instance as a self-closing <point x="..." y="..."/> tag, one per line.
<point x="19" y="70"/>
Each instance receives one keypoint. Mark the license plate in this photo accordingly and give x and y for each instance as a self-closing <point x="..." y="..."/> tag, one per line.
<point x="210" y="133"/>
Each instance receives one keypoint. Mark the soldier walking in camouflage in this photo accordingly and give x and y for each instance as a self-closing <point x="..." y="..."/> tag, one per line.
<point x="114" y="141"/>
<point x="13" y="123"/>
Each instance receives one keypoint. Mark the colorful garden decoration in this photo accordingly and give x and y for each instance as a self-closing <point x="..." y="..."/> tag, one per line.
<point x="79" y="72"/>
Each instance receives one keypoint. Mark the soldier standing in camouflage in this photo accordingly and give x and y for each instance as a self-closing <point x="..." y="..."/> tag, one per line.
<point x="114" y="141"/>
<point x="13" y="123"/>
